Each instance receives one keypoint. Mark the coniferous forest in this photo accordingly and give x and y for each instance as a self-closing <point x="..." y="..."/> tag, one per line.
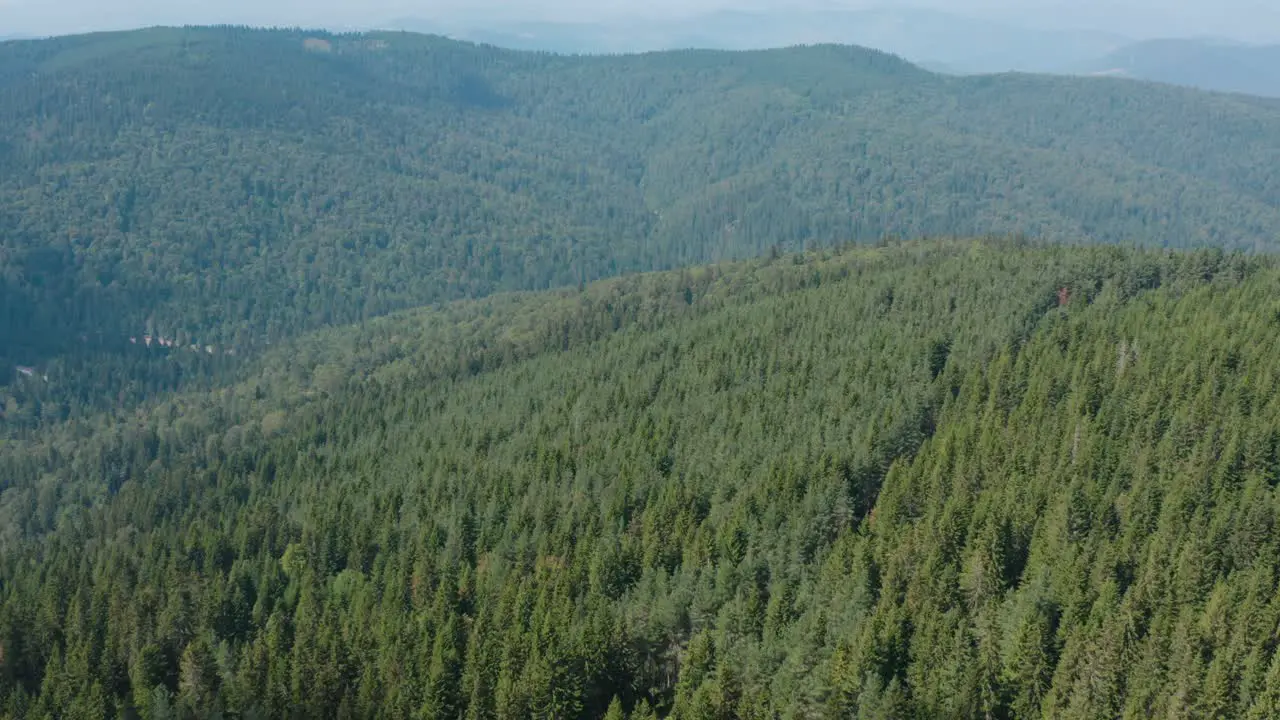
<point x="510" y="385"/>
<point x="230" y="188"/>
<point x="928" y="480"/>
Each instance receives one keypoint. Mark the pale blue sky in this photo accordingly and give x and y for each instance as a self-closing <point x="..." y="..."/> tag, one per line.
<point x="1242" y="19"/>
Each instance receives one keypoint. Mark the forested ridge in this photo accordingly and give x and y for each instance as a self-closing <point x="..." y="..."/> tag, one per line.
<point x="228" y="188"/>
<point x="931" y="479"/>
<point x="327" y="400"/>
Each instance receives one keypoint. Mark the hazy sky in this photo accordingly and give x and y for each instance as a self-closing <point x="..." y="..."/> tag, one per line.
<point x="1242" y="19"/>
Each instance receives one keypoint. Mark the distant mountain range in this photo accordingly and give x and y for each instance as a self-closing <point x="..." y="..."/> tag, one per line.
<point x="937" y="40"/>
<point x="1204" y="64"/>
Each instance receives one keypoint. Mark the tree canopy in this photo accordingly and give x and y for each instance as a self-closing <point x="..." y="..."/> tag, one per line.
<point x="946" y="479"/>
<point x="230" y="188"/>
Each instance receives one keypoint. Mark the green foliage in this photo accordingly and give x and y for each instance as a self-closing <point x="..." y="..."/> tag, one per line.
<point x="234" y="188"/>
<point x="893" y="482"/>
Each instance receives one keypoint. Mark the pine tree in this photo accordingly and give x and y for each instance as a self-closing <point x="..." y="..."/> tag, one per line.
<point x="615" y="711"/>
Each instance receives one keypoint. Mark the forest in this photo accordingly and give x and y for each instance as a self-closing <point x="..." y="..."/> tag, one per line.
<point x="984" y="478"/>
<point x="387" y="376"/>
<point x="232" y="188"/>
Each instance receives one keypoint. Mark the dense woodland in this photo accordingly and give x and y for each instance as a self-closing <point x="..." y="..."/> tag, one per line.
<point x="961" y="479"/>
<point x="403" y="444"/>
<point x="231" y="188"/>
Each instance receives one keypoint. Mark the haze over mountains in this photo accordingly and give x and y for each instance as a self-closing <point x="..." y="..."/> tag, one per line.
<point x="1242" y="20"/>
<point x="974" y="36"/>
<point x="1207" y="64"/>
<point x="938" y="39"/>
<point x="934" y="38"/>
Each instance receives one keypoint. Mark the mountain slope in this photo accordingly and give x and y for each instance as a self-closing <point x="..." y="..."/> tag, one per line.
<point x="925" y="480"/>
<point x="226" y="188"/>
<point x="1218" y="66"/>
<point x="962" y="43"/>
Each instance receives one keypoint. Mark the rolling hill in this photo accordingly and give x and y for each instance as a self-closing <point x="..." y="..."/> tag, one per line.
<point x="961" y="43"/>
<point x="226" y="189"/>
<point x="946" y="479"/>
<point x="384" y="375"/>
<point x="1204" y="64"/>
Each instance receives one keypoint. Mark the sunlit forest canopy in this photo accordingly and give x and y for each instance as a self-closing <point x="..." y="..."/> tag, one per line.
<point x="954" y="479"/>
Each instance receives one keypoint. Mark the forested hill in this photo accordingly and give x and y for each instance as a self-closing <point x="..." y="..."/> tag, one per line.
<point x="226" y="187"/>
<point x="929" y="480"/>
